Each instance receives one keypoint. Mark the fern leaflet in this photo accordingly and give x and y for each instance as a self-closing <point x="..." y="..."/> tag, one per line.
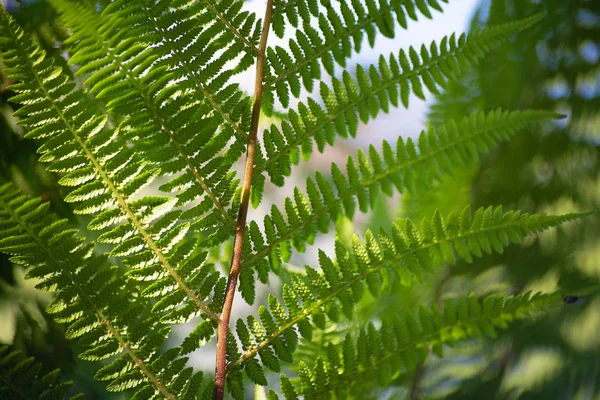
<point x="403" y="166"/>
<point x="374" y="357"/>
<point x="374" y="89"/>
<point x="331" y="40"/>
<point x="186" y="41"/>
<point x="405" y="254"/>
<point x="105" y="170"/>
<point x="163" y="131"/>
<point x="117" y="324"/>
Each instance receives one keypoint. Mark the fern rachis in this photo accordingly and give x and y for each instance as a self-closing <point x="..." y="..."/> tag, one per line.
<point x="158" y="101"/>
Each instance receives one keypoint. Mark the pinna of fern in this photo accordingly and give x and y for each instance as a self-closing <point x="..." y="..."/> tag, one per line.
<point x="403" y="166"/>
<point x="191" y="43"/>
<point x="350" y="100"/>
<point x="170" y="128"/>
<point x="106" y="175"/>
<point x="405" y="254"/>
<point x="374" y="357"/>
<point x="108" y="318"/>
<point x="332" y="40"/>
<point x="336" y="38"/>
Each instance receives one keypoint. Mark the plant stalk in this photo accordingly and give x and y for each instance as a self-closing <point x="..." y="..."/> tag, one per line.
<point x="234" y="271"/>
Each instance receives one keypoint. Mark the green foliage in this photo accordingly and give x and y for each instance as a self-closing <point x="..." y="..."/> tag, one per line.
<point x="145" y="127"/>
<point x="334" y="40"/>
<point x="395" y="168"/>
<point x="375" y="357"/>
<point x="165" y="128"/>
<point x="549" y="167"/>
<point x="349" y="100"/>
<point x="106" y="317"/>
<point x="405" y="254"/>
<point x="21" y="378"/>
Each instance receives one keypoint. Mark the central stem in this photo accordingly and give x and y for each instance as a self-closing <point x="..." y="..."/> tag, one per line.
<point x="234" y="271"/>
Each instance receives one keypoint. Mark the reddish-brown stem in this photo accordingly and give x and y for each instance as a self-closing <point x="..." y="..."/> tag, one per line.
<point x="234" y="271"/>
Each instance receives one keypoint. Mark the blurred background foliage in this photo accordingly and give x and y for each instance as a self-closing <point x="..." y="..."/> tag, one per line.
<point x="552" y="169"/>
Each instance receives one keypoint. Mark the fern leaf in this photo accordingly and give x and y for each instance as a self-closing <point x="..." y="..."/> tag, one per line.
<point x="405" y="254"/>
<point x="401" y="344"/>
<point x="116" y="321"/>
<point x="301" y="11"/>
<point x="157" y="129"/>
<point x="244" y="30"/>
<point x="234" y="26"/>
<point x="77" y="139"/>
<point x="401" y="167"/>
<point x="374" y="89"/>
<point x="332" y="39"/>
<point x="185" y="39"/>
<point x="21" y="378"/>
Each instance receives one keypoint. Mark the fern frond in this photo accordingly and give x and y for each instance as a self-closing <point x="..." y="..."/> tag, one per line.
<point x="303" y="11"/>
<point x="403" y="166"/>
<point x="236" y="25"/>
<point x="405" y="254"/>
<point x="240" y="28"/>
<point x="194" y="48"/>
<point x="374" y="89"/>
<point x="106" y="316"/>
<point x="326" y="37"/>
<point x="164" y="133"/>
<point x="21" y="378"/>
<point x="374" y="357"/>
<point x="106" y="174"/>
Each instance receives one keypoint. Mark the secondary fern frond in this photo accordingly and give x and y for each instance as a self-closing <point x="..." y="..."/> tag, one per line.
<point x="399" y="167"/>
<point x="106" y="174"/>
<point x="374" y="89"/>
<point x="175" y="139"/>
<point x="374" y="357"/>
<point x="103" y="313"/>
<point x="194" y="48"/>
<point x="405" y="254"/>
<point x="21" y="378"/>
<point x="333" y="39"/>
